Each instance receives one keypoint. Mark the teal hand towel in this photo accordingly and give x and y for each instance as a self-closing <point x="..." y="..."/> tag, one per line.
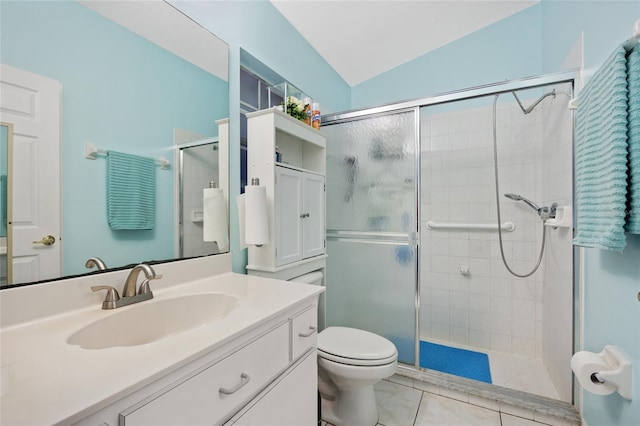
<point x="131" y="191"/>
<point x="601" y="156"/>
<point x="633" y="134"/>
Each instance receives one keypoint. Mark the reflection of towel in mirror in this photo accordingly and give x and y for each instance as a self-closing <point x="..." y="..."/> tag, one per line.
<point x="131" y="191"/>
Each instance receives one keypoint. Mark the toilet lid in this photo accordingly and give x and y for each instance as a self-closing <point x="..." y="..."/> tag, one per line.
<point x="356" y="345"/>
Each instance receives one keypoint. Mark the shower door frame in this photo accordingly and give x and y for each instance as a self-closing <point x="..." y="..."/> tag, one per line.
<point x="461" y="95"/>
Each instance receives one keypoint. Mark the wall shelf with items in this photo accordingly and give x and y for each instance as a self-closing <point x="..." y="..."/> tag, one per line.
<point x="297" y="100"/>
<point x="295" y="193"/>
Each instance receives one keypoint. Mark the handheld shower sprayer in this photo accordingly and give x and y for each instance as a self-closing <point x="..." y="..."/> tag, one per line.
<point x="517" y="197"/>
<point x="543" y="212"/>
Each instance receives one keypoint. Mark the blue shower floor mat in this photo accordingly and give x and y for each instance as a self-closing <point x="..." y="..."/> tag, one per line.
<point x="461" y="362"/>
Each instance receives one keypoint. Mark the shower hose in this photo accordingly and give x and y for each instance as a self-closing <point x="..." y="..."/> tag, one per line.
<point x="495" y="166"/>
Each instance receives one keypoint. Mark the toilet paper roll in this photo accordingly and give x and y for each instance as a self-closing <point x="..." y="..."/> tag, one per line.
<point x="584" y="364"/>
<point x="256" y="226"/>
<point x="215" y="226"/>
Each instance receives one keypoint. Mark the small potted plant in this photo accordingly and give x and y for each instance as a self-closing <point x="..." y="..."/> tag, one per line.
<point x="296" y="108"/>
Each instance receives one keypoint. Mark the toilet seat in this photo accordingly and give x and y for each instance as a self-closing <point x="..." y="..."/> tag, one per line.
<point x="355" y="347"/>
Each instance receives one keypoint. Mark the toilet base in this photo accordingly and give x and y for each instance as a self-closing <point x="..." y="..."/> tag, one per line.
<point x="351" y="408"/>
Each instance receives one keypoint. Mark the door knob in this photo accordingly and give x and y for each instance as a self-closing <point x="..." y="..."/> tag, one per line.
<point x="47" y="240"/>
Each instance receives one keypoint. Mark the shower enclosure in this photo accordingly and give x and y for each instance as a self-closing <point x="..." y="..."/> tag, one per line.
<point x="198" y="166"/>
<point x="412" y="231"/>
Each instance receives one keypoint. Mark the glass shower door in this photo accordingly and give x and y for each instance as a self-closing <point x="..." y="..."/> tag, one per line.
<point x="371" y="227"/>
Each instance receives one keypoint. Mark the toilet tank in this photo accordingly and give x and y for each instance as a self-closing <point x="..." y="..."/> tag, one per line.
<point x="314" y="278"/>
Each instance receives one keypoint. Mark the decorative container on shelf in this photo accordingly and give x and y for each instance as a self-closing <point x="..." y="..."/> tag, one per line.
<point x="292" y="101"/>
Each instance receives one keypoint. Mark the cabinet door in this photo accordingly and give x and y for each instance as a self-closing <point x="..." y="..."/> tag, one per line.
<point x="313" y="229"/>
<point x="288" y="205"/>
<point x="292" y="402"/>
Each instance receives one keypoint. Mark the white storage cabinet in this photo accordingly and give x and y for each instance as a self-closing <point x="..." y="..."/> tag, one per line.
<point x="295" y="189"/>
<point x="299" y="212"/>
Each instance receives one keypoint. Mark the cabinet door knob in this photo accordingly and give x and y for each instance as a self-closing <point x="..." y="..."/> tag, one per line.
<point x="244" y="379"/>
<point x="303" y="215"/>
<point x="312" y="330"/>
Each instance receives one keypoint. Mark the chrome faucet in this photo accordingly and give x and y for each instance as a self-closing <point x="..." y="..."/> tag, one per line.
<point x="129" y="289"/>
<point x="97" y="262"/>
<point x="129" y="293"/>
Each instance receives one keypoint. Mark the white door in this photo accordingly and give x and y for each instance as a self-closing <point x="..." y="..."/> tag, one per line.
<point x="313" y="228"/>
<point x="32" y="104"/>
<point x="288" y="205"/>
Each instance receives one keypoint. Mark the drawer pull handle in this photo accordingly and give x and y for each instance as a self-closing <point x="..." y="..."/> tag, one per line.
<point x="244" y="379"/>
<point x="312" y="330"/>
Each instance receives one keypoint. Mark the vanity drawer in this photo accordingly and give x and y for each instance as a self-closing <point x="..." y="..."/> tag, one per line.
<point x="304" y="332"/>
<point x="216" y="393"/>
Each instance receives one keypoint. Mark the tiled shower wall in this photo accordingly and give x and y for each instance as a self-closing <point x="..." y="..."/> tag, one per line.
<point x="487" y="307"/>
<point x="556" y="183"/>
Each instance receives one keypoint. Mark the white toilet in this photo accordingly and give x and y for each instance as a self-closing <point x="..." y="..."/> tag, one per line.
<point x="350" y="362"/>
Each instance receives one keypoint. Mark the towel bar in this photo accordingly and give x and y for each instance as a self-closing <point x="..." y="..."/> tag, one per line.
<point x="91" y="151"/>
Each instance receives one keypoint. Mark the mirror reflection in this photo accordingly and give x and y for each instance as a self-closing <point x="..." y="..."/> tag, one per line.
<point x="73" y="76"/>
<point x="197" y="174"/>
<point x="5" y="132"/>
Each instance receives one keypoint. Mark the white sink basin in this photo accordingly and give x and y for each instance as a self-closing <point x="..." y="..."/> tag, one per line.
<point x="153" y="320"/>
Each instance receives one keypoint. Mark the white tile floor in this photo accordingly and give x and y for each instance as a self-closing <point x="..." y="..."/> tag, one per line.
<point x="401" y="405"/>
<point x="521" y="373"/>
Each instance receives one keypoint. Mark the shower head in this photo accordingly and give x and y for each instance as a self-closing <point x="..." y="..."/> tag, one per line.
<point x="517" y="197"/>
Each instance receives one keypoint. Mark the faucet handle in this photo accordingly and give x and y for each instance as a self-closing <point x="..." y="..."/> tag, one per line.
<point x="144" y="286"/>
<point x="112" y="296"/>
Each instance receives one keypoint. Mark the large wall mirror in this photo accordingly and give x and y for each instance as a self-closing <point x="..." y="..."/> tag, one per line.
<point x="81" y="81"/>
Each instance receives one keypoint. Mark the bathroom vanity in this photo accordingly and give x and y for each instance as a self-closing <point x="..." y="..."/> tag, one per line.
<point x="252" y="363"/>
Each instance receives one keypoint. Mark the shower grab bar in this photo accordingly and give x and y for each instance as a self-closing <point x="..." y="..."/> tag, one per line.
<point x="373" y="237"/>
<point x="506" y="226"/>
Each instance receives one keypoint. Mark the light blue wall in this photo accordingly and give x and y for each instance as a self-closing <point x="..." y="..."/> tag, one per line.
<point x="612" y="280"/>
<point x="260" y="29"/>
<point x="506" y="50"/>
<point x="120" y="92"/>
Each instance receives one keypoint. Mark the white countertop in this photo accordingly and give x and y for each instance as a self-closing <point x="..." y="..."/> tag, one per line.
<point x="47" y="381"/>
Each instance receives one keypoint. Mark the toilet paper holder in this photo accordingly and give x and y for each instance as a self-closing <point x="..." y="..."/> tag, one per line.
<point x="620" y="376"/>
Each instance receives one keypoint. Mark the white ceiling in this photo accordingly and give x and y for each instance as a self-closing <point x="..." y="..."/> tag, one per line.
<point x="361" y="39"/>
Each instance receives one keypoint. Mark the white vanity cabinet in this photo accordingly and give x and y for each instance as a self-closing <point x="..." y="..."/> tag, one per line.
<point x="278" y="405"/>
<point x="265" y="378"/>
<point x="295" y="188"/>
<point x="299" y="213"/>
